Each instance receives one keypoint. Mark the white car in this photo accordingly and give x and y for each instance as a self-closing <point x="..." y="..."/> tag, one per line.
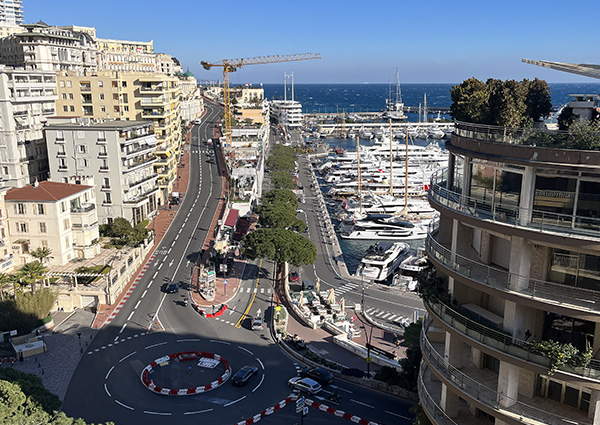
<point x="258" y="324"/>
<point x="305" y="385"/>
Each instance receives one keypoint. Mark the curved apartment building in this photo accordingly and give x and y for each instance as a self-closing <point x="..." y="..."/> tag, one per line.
<point x="518" y="249"/>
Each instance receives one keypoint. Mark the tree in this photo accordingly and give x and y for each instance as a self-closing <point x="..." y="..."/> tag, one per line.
<point x="470" y="101"/>
<point x="279" y="245"/>
<point x="585" y="135"/>
<point x="6" y="280"/>
<point x="281" y="196"/>
<point x="32" y="272"/>
<point x="279" y="215"/>
<point x="539" y="102"/>
<point x="283" y="180"/>
<point x="42" y="253"/>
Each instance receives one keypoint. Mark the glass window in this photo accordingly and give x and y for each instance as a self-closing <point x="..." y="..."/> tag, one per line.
<point x="554" y="194"/>
<point x="566" y="330"/>
<point x="43" y="227"/>
<point x="588" y="201"/>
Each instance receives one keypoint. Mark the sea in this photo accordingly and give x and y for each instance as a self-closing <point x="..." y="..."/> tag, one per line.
<point x="356" y="98"/>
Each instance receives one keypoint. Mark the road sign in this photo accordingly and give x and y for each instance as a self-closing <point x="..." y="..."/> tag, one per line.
<point x="225" y="282"/>
<point x="300" y="404"/>
<point x="368" y="359"/>
<point x="305" y="411"/>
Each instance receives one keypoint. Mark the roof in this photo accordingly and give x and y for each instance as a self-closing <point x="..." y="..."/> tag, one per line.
<point x="232" y="218"/>
<point x="99" y="125"/>
<point x="45" y="191"/>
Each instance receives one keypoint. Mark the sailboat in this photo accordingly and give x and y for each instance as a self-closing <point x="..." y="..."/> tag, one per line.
<point x="395" y="109"/>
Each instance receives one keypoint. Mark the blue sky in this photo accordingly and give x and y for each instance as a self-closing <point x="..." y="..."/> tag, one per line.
<point x="360" y="41"/>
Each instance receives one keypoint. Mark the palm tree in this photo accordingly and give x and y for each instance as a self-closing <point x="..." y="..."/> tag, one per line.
<point x="32" y="272"/>
<point x="5" y="281"/>
<point x="42" y="253"/>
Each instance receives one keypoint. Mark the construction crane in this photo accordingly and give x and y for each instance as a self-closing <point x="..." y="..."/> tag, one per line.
<point x="231" y="65"/>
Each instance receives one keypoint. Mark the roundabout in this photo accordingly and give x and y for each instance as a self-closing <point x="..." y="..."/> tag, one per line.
<point x="204" y="359"/>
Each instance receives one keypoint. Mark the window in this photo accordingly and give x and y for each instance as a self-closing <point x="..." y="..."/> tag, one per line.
<point x="41" y="209"/>
<point x="107" y="199"/>
<point x="561" y="392"/>
<point x="5" y="170"/>
<point x="106" y="182"/>
<point x="69" y="84"/>
<point x="84" y="162"/>
<point x="126" y="108"/>
<point x="124" y="83"/>
<point x="70" y="96"/>
<point x="66" y="242"/>
<point x="101" y="96"/>
<point x="72" y="108"/>
<point x="62" y="83"/>
<point x="43" y="228"/>
<point x="65" y="108"/>
<point x="19" y="208"/>
<point x="66" y="224"/>
<point x="81" y="148"/>
<point x="100" y="83"/>
<point x="63" y="206"/>
<point x="21" y="227"/>
<point x="44" y="243"/>
<point x="64" y="96"/>
<point x="103" y="108"/>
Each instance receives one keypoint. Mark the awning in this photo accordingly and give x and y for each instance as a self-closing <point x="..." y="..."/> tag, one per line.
<point x="241" y="229"/>
<point x="232" y="218"/>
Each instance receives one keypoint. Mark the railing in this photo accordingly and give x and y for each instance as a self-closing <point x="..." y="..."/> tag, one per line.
<point x="514" y="136"/>
<point x="505" y="405"/>
<point x="503" y="280"/>
<point x="509" y="214"/>
<point x="435" y="411"/>
<point x="502" y="341"/>
<point x="84" y="208"/>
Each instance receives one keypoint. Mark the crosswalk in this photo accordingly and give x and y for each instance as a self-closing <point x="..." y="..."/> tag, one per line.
<point x="346" y="287"/>
<point x="256" y="290"/>
<point x="388" y="316"/>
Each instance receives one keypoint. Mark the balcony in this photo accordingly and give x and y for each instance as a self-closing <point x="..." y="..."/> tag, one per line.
<point x="478" y="385"/>
<point x="83" y="209"/>
<point x="497" y="340"/>
<point x="104" y="168"/>
<point x="61" y="154"/>
<point x="138" y="162"/>
<point x="138" y="150"/>
<point x="154" y="113"/>
<point x="493" y="277"/>
<point x="130" y="186"/>
<point x="510" y="215"/>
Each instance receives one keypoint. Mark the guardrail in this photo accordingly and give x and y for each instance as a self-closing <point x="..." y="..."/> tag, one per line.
<point x="435" y="411"/>
<point x="514" y="135"/>
<point x="543" y="291"/>
<point x="509" y="214"/>
<point x="505" y="405"/>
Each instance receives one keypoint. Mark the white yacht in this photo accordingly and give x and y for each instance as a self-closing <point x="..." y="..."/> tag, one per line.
<point x="395" y="109"/>
<point x="381" y="260"/>
<point x="404" y="230"/>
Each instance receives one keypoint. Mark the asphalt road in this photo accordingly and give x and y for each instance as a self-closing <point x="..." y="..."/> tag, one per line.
<point x="106" y="384"/>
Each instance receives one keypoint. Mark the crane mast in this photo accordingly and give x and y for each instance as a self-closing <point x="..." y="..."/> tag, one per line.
<point x="231" y="65"/>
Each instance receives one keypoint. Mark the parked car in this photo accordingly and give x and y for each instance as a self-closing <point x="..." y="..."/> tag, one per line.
<point x="243" y="375"/>
<point x="294" y="276"/>
<point x="308" y="285"/>
<point x="305" y="385"/>
<point x="258" y="324"/>
<point x="322" y="376"/>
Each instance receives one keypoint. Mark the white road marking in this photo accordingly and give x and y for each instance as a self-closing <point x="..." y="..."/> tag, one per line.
<point x="262" y="378"/>
<point x="341" y="389"/>
<point x="106" y="389"/>
<point x="197" y="411"/>
<point x="155" y="273"/>
<point x="169" y="251"/>
<point x="123" y="328"/>
<point x="128" y="355"/>
<point x="189" y="340"/>
<point x="124" y="405"/>
<point x="363" y="404"/>
<point x="111" y="369"/>
<point x="218" y="342"/>
<point x="171" y="263"/>
<point x="400" y="416"/>
<point x="131" y="314"/>
<point x="161" y="264"/>
<point x="235" y="401"/>
<point x="137" y="304"/>
<point x="246" y="350"/>
<point x="144" y="294"/>
<point x="155" y="345"/>
<point x="261" y="364"/>
<point x="158" y="413"/>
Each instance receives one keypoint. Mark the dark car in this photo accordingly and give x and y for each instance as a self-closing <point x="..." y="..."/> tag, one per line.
<point x="294" y="277"/>
<point x="243" y="375"/>
<point x="322" y="376"/>
<point x="172" y="288"/>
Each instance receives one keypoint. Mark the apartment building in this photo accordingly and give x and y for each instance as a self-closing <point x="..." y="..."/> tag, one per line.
<point x="6" y="257"/>
<point x="518" y="249"/>
<point x="129" y="96"/>
<point x="191" y="104"/>
<point x="287" y="113"/>
<point x="58" y="216"/>
<point x="26" y="100"/>
<point x="118" y="155"/>
<point x="11" y="17"/>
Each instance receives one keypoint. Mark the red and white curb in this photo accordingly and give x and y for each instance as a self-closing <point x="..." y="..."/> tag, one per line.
<point x="130" y="291"/>
<point x="219" y="312"/>
<point x="338" y="413"/>
<point x="183" y="357"/>
<point x="268" y="411"/>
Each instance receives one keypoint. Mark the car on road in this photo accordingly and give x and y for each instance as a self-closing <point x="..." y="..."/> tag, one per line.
<point x="243" y="375"/>
<point x="258" y="324"/>
<point x="172" y="288"/>
<point x="308" y="285"/>
<point x="305" y="385"/>
<point x="322" y="376"/>
<point x="294" y="276"/>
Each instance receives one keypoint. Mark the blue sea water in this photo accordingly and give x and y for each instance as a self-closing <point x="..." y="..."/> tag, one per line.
<point x="352" y="98"/>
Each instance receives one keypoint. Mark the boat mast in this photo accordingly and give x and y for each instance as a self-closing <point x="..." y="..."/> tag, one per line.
<point x="404" y="211"/>
<point x="359" y="175"/>
<point x="391" y="160"/>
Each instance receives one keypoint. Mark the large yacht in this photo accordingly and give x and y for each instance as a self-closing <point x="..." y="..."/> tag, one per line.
<point x="381" y="260"/>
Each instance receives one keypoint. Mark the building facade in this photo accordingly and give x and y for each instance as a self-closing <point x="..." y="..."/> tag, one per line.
<point x="26" y="100"/>
<point x="117" y="155"/>
<point x="516" y="309"/>
<point x="287" y="113"/>
<point x="58" y="216"/>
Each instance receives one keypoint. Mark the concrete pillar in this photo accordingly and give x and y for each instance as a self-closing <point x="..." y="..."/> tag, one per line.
<point x="449" y="401"/>
<point x="485" y="254"/>
<point x="594" y="412"/>
<point x="451" y="165"/>
<point x="519" y="263"/>
<point x="527" y="194"/>
<point x="508" y="384"/>
<point x="466" y="183"/>
<point x="453" y="350"/>
<point x="454" y="243"/>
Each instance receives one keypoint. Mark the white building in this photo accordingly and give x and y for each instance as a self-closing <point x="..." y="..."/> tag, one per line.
<point x="287" y="113"/>
<point x="11" y="16"/>
<point x="58" y="216"/>
<point x="119" y="155"/>
<point x="26" y="100"/>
